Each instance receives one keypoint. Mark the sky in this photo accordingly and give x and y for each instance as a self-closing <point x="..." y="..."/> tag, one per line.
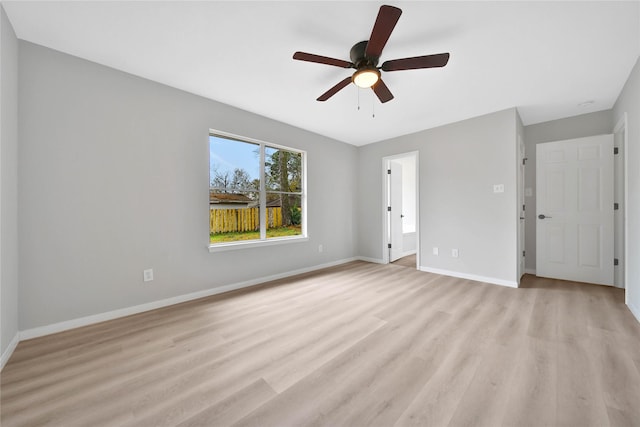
<point x="227" y="155"/>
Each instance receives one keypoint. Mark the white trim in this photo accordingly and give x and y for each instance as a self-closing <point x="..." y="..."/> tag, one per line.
<point x="483" y="279"/>
<point x="418" y="245"/>
<point x="385" y="213"/>
<point x="221" y="247"/>
<point x="530" y="271"/>
<point x="110" y="315"/>
<point x="373" y="260"/>
<point x="635" y="311"/>
<point x="622" y="123"/>
<point x="242" y="138"/>
<point x="385" y="229"/>
<point x="9" y="351"/>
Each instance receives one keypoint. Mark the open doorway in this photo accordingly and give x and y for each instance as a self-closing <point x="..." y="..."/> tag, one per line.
<point x="400" y="206"/>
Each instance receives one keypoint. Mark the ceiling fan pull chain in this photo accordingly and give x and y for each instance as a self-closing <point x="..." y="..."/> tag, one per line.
<point x="373" y="108"/>
<point x="358" y="91"/>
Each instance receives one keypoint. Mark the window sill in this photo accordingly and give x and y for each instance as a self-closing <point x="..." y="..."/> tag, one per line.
<point x="223" y="247"/>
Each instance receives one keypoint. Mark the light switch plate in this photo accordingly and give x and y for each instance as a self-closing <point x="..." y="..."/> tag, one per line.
<point x="498" y="188"/>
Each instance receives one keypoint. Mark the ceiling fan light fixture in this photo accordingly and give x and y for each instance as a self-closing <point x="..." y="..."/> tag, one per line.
<point x="366" y="77"/>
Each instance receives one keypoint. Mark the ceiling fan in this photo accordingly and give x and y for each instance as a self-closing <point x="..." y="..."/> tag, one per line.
<point x="366" y="54"/>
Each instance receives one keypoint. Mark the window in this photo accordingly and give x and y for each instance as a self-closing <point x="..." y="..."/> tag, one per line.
<point x="256" y="192"/>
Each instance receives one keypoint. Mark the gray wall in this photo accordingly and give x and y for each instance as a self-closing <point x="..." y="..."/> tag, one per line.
<point x="458" y="166"/>
<point x="113" y="179"/>
<point x="629" y="102"/>
<point x="8" y="183"/>
<point x="573" y="127"/>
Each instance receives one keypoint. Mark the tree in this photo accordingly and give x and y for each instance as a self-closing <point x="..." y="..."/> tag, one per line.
<point x="241" y="180"/>
<point x="236" y="182"/>
<point x="221" y="181"/>
<point x="283" y="173"/>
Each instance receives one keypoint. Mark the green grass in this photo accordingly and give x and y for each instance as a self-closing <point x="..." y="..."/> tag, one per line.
<point x="292" y="230"/>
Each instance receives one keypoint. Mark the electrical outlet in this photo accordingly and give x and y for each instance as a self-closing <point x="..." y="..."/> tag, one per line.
<point x="435" y="251"/>
<point x="147" y="275"/>
<point x="498" y="188"/>
<point x="454" y="253"/>
<point x="320" y="248"/>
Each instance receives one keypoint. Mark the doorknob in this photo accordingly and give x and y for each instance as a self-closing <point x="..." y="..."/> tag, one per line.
<point x="542" y="216"/>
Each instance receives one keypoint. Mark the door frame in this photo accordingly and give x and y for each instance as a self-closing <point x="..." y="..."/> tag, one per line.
<point x="522" y="230"/>
<point x="385" y="198"/>
<point x="622" y="126"/>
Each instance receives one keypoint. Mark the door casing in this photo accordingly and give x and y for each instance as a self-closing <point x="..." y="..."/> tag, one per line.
<point x="385" y="198"/>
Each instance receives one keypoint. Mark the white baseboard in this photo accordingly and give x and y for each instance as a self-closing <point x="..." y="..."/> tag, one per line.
<point x="530" y="271"/>
<point x="367" y="259"/>
<point x="492" y="280"/>
<point x="634" y="310"/>
<point x="110" y="315"/>
<point x="9" y="351"/>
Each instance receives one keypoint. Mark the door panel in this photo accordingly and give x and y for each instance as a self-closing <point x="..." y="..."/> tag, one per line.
<point x="575" y="198"/>
<point x="589" y="243"/>
<point x="555" y="243"/>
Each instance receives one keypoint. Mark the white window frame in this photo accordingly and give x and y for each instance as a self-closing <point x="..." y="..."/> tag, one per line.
<point x="263" y="241"/>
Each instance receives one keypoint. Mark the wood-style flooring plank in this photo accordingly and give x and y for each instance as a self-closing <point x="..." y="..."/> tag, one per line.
<point x="358" y="344"/>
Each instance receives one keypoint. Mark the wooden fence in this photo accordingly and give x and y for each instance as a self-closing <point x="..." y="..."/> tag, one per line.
<point x="239" y="220"/>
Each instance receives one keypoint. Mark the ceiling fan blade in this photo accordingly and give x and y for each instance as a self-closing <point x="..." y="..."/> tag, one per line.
<point x="328" y="94"/>
<point x="310" y="57"/>
<point x="385" y="23"/>
<point x="427" y="61"/>
<point x="382" y="91"/>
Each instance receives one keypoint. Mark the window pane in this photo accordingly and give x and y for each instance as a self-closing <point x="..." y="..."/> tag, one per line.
<point x="283" y="170"/>
<point x="255" y="191"/>
<point x="283" y="215"/>
<point x="234" y="166"/>
<point x="234" y="182"/>
<point x="233" y="216"/>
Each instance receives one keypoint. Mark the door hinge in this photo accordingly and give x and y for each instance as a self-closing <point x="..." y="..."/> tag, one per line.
<point x="389" y="245"/>
<point x="523" y="207"/>
<point x="616" y="206"/>
<point x="388" y="171"/>
<point x="615" y="261"/>
<point x="522" y="253"/>
<point x="388" y="208"/>
<point x="615" y="150"/>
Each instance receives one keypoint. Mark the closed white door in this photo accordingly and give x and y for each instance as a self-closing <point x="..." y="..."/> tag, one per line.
<point x="574" y="213"/>
<point x="395" y="213"/>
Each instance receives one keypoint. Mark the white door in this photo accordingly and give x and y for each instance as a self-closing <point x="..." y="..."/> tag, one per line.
<point x="574" y="218"/>
<point x="395" y="213"/>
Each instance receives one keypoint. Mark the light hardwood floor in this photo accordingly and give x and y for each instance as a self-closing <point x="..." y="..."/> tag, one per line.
<point x="407" y="261"/>
<point x="356" y="345"/>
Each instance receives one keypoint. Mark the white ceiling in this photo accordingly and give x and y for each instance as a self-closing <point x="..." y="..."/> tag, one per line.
<point x="545" y="58"/>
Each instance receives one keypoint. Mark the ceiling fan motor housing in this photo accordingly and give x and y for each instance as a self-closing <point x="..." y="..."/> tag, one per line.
<point x="359" y="59"/>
